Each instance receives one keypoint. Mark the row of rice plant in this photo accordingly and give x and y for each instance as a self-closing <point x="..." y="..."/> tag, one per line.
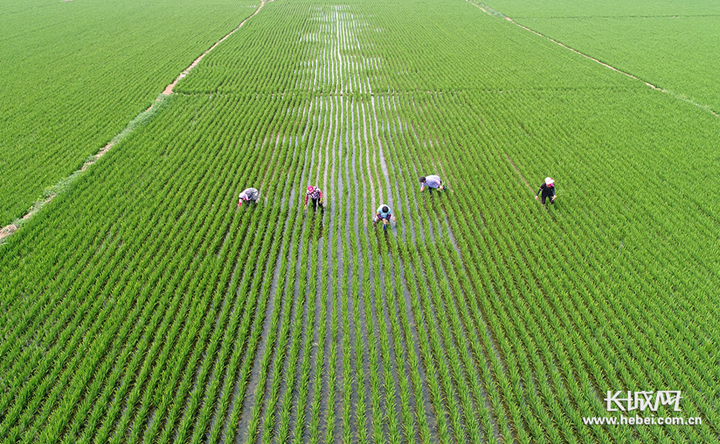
<point x="143" y="305"/>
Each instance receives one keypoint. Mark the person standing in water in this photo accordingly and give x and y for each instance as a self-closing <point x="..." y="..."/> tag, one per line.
<point x="383" y="213"/>
<point x="249" y="195"/>
<point x="548" y="191"/>
<point x="315" y="196"/>
<point x="432" y="182"/>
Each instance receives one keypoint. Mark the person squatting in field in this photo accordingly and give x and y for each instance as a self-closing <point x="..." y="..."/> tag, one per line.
<point x="432" y="182"/>
<point x="548" y="190"/>
<point x="382" y="213"/>
<point x="315" y="196"/>
<point x="249" y="195"/>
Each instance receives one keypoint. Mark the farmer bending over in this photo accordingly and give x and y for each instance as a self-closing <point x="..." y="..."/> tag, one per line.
<point x="431" y="182"/>
<point x="249" y="195"/>
<point x="548" y="190"/>
<point x="382" y="213"/>
<point x="315" y="195"/>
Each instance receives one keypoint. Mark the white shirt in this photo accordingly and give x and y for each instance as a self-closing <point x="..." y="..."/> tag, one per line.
<point x="432" y="181"/>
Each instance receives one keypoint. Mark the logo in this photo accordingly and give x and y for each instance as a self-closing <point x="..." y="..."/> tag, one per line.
<point x="642" y="401"/>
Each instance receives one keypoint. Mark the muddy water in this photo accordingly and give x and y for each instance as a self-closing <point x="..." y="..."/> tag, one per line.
<point x="349" y="146"/>
<point x="406" y="194"/>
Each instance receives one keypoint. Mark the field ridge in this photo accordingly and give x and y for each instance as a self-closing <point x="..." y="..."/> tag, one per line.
<point x="494" y="13"/>
<point x="137" y="121"/>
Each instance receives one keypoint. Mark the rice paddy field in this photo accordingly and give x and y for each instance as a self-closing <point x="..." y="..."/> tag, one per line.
<point x="141" y="304"/>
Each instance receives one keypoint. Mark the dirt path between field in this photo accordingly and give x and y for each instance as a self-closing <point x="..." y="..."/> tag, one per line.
<point x="487" y="10"/>
<point x="12" y="228"/>
<point x="134" y="123"/>
<point x="169" y="89"/>
<point x="7" y="231"/>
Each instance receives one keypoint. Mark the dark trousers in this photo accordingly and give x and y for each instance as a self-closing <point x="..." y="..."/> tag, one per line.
<point x="430" y="189"/>
<point x="545" y="196"/>
<point x="315" y="203"/>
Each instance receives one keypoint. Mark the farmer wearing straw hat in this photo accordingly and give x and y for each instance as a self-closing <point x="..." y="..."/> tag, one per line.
<point x="315" y="195"/>
<point x="249" y="195"/>
<point x="382" y="213"/>
<point x="548" y="190"/>
<point x="432" y="182"/>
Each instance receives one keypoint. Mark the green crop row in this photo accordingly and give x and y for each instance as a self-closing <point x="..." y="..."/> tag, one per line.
<point x="142" y="305"/>
<point x="671" y="45"/>
<point x="74" y="74"/>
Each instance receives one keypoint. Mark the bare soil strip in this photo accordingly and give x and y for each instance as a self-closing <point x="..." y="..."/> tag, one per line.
<point x="135" y="122"/>
<point x="12" y="228"/>
<point x="492" y="12"/>
<point x="8" y="230"/>
<point x="169" y="89"/>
